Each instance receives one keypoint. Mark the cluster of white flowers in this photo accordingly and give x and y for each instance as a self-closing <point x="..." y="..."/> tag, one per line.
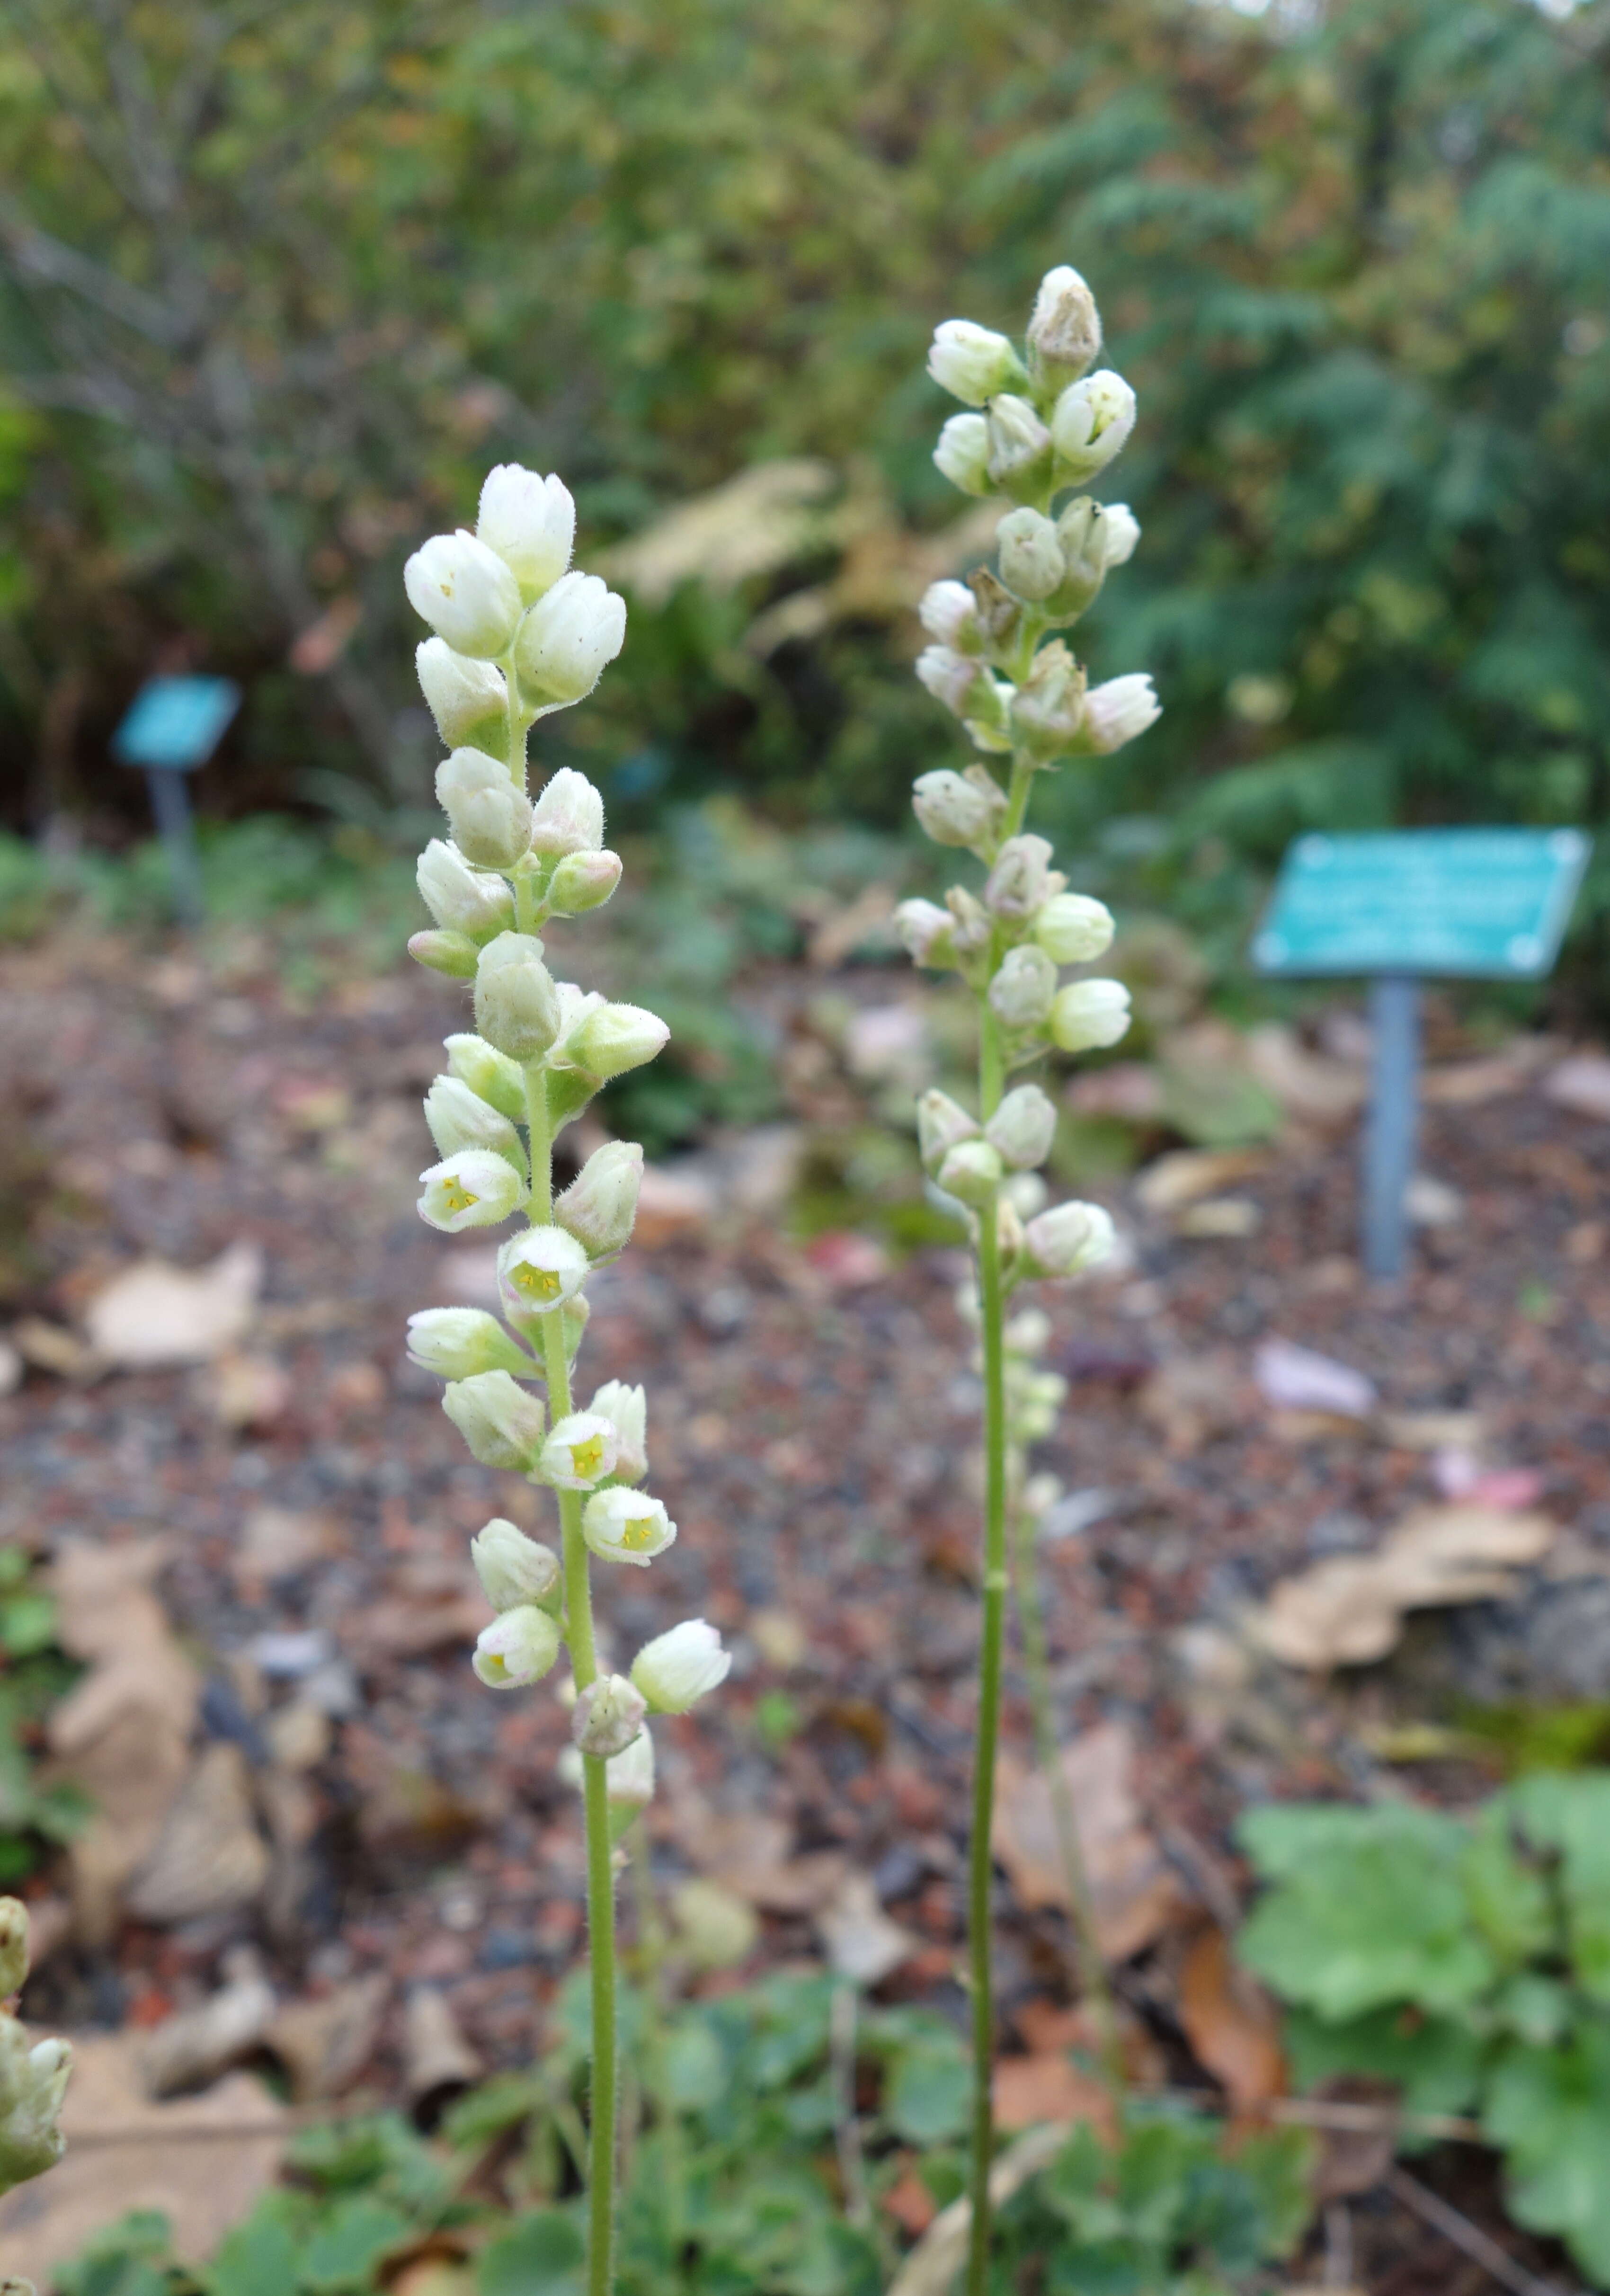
<point x="1045" y="425"/>
<point x="33" y="2074"/>
<point x="518" y="634"/>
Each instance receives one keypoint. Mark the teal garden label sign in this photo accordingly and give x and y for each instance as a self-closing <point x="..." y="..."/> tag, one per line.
<point x="1489" y="903"/>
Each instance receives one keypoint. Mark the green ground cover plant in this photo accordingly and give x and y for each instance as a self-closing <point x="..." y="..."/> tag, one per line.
<point x="34" y="1673"/>
<point x="1466" y="1959"/>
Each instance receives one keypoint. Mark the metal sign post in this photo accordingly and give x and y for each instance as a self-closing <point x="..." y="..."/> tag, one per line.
<point x="1402" y="906"/>
<point x="174" y="725"/>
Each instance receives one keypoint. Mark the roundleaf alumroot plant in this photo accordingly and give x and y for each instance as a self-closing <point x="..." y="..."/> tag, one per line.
<point x="518" y="634"/>
<point x="33" y="2076"/>
<point x="1039" y="425"/>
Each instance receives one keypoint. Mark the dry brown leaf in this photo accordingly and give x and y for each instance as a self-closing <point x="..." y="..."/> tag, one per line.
<point x="1312" y="1087"/>
<point x="209" y="1856"/>
<point x="154" y="1315"/>
<point x="436" y="2056"/>
<point x="861" y="1941"/>
<point x="428" y="1603"/>
<point x="1188" y="1174"/>
<point x="933" y="2263"/>
<point x="196" y="2044"/>
<point x="323" y="2045"/>
<point x="1194" y="1398"/>
<point x="1230" y="2023"/>
<point x="1580" y="1083"/>
<point x="201" y="2161"/>
<point x="909" y="2202"/>
<point x="750" y="1855"/>
<point x="1134" y="1893"/>
<point x="673" y="1205"/>
<point x="1030" y="2091"/>
<point x="276" y="1541"/>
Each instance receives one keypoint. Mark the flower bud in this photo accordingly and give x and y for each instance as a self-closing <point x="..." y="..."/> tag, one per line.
<point x="950" y="615"/>
<point x="626" y="1526"/>
<point x="502" y="1422"/>
<point x="468" y="699"/>
<point x="1120" y="533"/>
<point x="923" y="932"/>
<point x="972" y="363"/>
<point x="601" y="1203"/>
<point x="1064" y="333"/>
<point x="1115" y="712"/>
<point x="13" y="1945"/>
<point x="513" y="1569"/>
<point x="1071" y="928"/>
<point x="628" y="1777"/>
<point x="460" y="1118"/>
<point x="1090" y="423"/>
<point x="466" y="592"/>
<point x="1031" y="555"/>
<point x="941" y="1123"/>
<point x="475" y="1188"/>
<point x="627" y="1410"/>
<point x="1026" y="1193"/>
<point x="1023" y="1127"/>
<point x="609" y="1715"/>
<point x="583" y="882"/>
<point x="518" y="1647"/>
<point x="1068" y="1239"/>
<point x="1018" y="883"/>
<point x="579" y="1452"/>
<point x="1021" y="992"/>
<point x="516" y="1004"/>
<point x="1048" y="707"/>
<point x="566" y="638"/>
<point x="971" y="1172"/>
<point x="676" y="1670"/>
<point x="456" y="1342"/>
<point x="1088" y="1013"/>
<point x="1019" y="445"/>
<point x="1029" y="1334"/>
<point x="613" y="1038"/>
<point x="33" y="2082"/>
<point x="953" y="810"/>
<point x="1000" y="615"/>
<point x="475" y="902"/>
<point x="490" y="817"/>
<point x="490" y="1074"/>
<point x="950" y="676"/>
<point x="1008" y="1220"/>
<point x="452" y="953"/>
<point x="530" y="522"/>
<point x="963" y="454"/>
<point x="538" y="1271"/>
<point x="568" y="817"/>
<point x="971" y="925"/>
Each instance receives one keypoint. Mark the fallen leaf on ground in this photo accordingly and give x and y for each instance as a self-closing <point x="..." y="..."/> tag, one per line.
<point x="1186" y="1175"/>
<point x="1349" y="1609"/>
<point x="1134" y="1893"/>
<point x="247" y="1390"/>
<point x="1299" y="1379"/>
<point x="1580" y="1083"/>
<point x="53" y="1348"/>
<point x="862" y="1942"/>
<point x="1032" y="2090"/>
<point x="209" y="1856"/>
<point x="1191" y="1399"/>
<point x="428" y="1603"/>
<point x="910" y="2203"/>
<point x="154" y="1315"/>
<point x="1312" y="1087"/>
<point x="672" y="1205"/>
<point x="1431" y="1430"/>
<point x="323" y="2045"/>
<point x="201" y="2162"/>
<point x="1129" y="1090"/>
<point x="196" y="2044"/>
<point x="848" y="1259"/>
<point x="752" y="1856"/>
<point x="437" y="2059"/>
<point x="275" y="1541"/>
<point x="1230" y="2022"/>
<point x="1219" y="1219"/>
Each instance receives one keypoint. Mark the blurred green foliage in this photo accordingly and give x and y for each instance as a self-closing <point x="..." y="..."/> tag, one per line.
<point x="283" y="282"/>
<point x="34" y="1673"/>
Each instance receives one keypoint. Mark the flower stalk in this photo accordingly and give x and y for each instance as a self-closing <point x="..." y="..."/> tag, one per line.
<point x="518" y="634"/>
<point x="1040" y="424"/>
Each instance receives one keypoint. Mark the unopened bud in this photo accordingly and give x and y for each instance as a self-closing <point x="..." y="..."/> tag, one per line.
<point x="1065" y="332"/>
<point x="513" y="1569"/>
<point x="462" y="900"/>
<point x="518" y="1646"/>
<point x="452" y="953"/>
<point x="538" y="1271"/>
<point x="971" y="925"/>
<point x="490" y="1074"/>
<point x="972" y="363"/>
<point x="971" y="1172"/>
<point x="677" y="1669"/>
<point x="33" y="2082"/>
<point x="1073" y="929"/>
<point x="1019" y="445"/>
<point x="963" y="454"/>
<point x="1020" y="993"/>
<point x="467" y="697"/>
<point x="950" y="676"/>
<point x="600" y="1205"/>
<point x="530" y="522"/>
<point x="1029" y="1333"/>
<point x="1120" y="533"/>
<point x="1048" y="707"/>
<point x="628" y="1778"/>
<point x="456" y="1342"/>
<point x="1091" y="421"/>
<point x="13" y="1945"/>
<point x="1031" y="555"/>
<point x="566" y="638"/>
<point x="568" y="815"/>
<point x="627" y="1410"/>
<point x="460" y="1118"/>
<point x="1068" y="1239"/>
<point x="626" y="1526"/>
<point x="466" y="592"/>
<point x="613" y="1039"/>
<point x="516" y="1002"/>
<point x="608" y="1715"/>
<point x="1026" y="1193"/>
<point x="579" y="1452"/>
<point x="490" y="817"/>
<point x="923" y="930"/>
<point x="1089" y="1013"/>
<point x="1000" y="615"/>
<point x="1018" y="883"/>
<point x="1023" y="1127"/>
<point x="583" y="882"/>
<point x="1115" y="712"/>
<point x="941" y="1123"/>
<point x="954" y="810"/>
<point x="475" y="1188"/>
<point x="950" y="616"/>
<point x="501" y="1422"/>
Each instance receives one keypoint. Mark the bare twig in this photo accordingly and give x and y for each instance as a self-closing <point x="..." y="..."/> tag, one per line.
<point x="846" y="2127"/>
<point x="1455" y="2227"/>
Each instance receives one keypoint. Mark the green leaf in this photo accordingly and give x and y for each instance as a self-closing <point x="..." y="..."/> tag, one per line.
<point x="696" y="2070"/>
<point x="258" y="2259"/>
<point x="127" y="2260"/>
<point x="347" y="2243"/>
<point x="1509" y="1901"/>
<point x="1572" y="1814"/>
<point x="543" y="2255"/>
<point x="926" y="2093"/>
<point x="1550" y="2110"/>
<point x="1435" y="2062"/>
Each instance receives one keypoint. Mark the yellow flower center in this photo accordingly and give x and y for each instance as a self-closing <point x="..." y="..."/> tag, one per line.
<point x="536" y="1282"/>
<point x="588" y="1458"/>
<point x="637" y="1531"/>
<point x="457" y="1197"/>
